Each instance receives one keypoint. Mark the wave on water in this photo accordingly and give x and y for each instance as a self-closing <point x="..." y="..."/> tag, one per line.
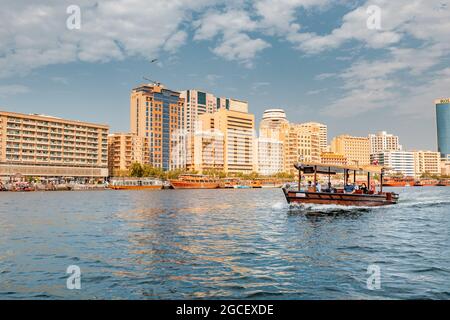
<point x="329" y="209"/>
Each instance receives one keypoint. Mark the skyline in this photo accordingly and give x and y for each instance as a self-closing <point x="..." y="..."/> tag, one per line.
<point x="315" y="59"/>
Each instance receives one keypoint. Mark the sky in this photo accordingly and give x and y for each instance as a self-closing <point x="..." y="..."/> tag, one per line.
<point x="357" y="66"/>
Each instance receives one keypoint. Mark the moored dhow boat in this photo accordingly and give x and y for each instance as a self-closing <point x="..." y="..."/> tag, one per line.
<point x="364" y="197"/>
<point x="194" y="181"/>
<point x="135" y="184"/>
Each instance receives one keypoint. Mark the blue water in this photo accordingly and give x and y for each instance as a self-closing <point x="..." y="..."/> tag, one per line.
<point x="245" y="244"/>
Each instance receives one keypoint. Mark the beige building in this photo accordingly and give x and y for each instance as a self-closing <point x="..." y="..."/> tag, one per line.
<point x="427" y="162"/>
<point x="44" y="146"/>
<point x="445" y="167"/>
<point x="383" y="141"/>
<point x="332" y="158"/>
<point x="239" y="151"/>
<point x="303" y="145"/>
<point x="124" y="149"/>
<point x="196" y="103"/>
<point x="323" y="133"/>
<point x="157" y="113"/>
<point x="355" y="149"/>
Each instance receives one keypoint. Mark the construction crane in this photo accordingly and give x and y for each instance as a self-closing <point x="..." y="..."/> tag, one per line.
<point x="158" y="84"/>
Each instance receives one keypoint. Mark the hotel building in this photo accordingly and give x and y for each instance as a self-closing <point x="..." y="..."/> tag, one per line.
<point x="382" y="141"/>
<point x="332" y="158"/>
<point x="44" y="146"/>
<point x="207" y="150"/>
<point x="427" y="162"/>
<point x="124" y="149"/>
<point x="323" y="133"/>
<point x="274" y="126"/>
<point x="355" y="149"/>
<point x="270" y="156"/>
<point x="196" y="103"/>
<point x="157" y="113"/>
<point x="396" y="162"/>
<point x="303" y="145"/>
<point x="443" y="126"/>
<point x="237" y="127"/>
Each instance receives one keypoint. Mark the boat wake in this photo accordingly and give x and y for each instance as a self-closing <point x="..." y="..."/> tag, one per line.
<point x="327" y="209"/>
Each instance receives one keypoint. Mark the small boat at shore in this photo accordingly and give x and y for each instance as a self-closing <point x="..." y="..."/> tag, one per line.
<point x="194" y="181"/>
<point x="360" y="197"/>
<point x="136" y="184"/>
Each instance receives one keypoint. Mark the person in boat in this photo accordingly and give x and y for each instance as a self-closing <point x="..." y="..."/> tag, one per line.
<point x="364" y="189"/>
<point x="330" y="188"/>
<point x="318" y="187"/>
<point x="309" y="184"/>
<point x="349" y="188"/>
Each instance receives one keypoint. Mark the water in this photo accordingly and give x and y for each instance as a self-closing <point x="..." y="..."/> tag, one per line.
<point x="244" y="244"/>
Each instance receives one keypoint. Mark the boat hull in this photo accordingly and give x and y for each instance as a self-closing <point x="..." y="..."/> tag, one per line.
<point x="194" y="185"/>
<point x="136" y="187"/>
<point x="342" y="199"/>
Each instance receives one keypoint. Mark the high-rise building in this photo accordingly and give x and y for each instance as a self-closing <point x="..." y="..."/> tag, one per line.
<point x="157" y="113"/>
<point x="396" y="162"/>
<point x="427" y="162"/>
<point x="207" y="149"/>
<point x="443" y="126"/>
<point x="238" y="135"/>
<point x="124" y="149"/>
<point x="197" y="103"/>
<point x="323" y="133"/>
<point x="355" y="149"/>
<point x="382" y="141"/>
<point x="303" y="145"/>
<point x="275" y="126"/>
<point x="44" y="146"/>
<point x="270" y="156"/>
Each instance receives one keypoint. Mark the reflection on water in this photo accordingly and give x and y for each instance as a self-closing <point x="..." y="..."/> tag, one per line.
<point x="221" y="244"/>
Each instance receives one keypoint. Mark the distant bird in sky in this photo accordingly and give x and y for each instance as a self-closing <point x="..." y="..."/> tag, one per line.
<point x="154" y="60"/>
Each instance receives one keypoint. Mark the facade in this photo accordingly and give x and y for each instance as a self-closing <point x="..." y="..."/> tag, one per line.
<point x="382" y="141"/>
<point x="443" y="126"/>
<point x="427" y="162"/>
<point x="303" y="145"/>
<point x="355" y="149"/>
<point x="124" y="149"/>
<point x="157" y="113"/>
<point x="207" y="150"/>
<point x="323" y="133"/>
<point x="239" y="151"/>
<point x="196" y="103"/>
<point x="396" y="162"/>
<point x="332" y="158"/>
<point x="270" y="156"/>
<point x="275" y="126"/>
<point x="445" y="167"/>
<point x="44" y="146"/>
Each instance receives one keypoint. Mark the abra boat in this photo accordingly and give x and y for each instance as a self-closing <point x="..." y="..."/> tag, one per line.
<point x="194" y="181"/>
<point x="362" y="197"/>
<point x="398" y="182"/>
<point x="135" y="184"/>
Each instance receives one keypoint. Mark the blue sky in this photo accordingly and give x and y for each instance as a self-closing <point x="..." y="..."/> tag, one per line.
<point x="317" y="59"/>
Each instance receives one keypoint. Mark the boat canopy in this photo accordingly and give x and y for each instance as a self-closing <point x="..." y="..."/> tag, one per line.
<point x="326" y="168"/>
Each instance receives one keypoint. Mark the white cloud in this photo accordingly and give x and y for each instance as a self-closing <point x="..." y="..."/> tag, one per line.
<point x="12" y="89"/>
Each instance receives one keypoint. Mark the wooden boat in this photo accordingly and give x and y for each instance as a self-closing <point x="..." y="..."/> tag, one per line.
<point x="444" y="183"/>
<point x="135" y="184"/>
<point x="426" y="183"/>
<point x="229" y="183"/>
<point x="366" y="197"/>
<point x="398" y="182"/>
<point x="194" y="181"/>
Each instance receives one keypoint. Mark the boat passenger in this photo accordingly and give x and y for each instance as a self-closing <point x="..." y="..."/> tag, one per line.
<point x="318" y="187"/>
<point x="364" y="189"/>
<point x="330" y="188"/>
<point x="349" y="188"/>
